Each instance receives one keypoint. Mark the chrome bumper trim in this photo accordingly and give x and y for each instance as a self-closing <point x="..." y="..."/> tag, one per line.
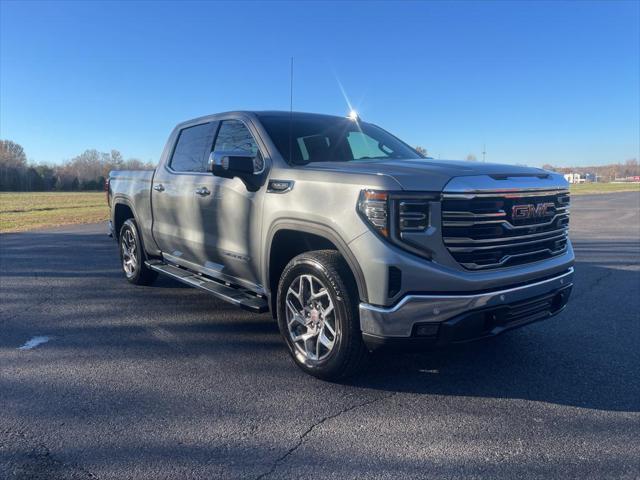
<point x="398" y="321"/>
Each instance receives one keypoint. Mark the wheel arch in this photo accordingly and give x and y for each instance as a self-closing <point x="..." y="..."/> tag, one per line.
<point x="287" y="239"/>
<point x="122" y="211"/>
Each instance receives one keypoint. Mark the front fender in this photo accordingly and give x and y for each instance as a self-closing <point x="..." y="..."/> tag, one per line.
<point x="319" y="230"/>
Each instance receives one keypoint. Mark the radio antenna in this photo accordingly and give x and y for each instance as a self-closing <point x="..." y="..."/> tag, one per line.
<point x="291" y="112"/>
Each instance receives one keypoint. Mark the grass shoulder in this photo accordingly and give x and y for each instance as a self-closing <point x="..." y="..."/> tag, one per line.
<point x="23" y="211"/>
<point x="591" y="188"/>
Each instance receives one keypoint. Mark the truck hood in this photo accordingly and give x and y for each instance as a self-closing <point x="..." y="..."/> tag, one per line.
<point x="434" y="175"/>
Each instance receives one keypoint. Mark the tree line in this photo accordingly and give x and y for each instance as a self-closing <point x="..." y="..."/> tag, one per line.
<point x="87" y="171"/>
<point x="90" y="169"/>
<point x="604" y="173"/>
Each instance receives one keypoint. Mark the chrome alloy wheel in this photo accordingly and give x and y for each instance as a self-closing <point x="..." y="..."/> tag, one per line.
<point x="311" y="318"/>
<point x="129" y="253"/>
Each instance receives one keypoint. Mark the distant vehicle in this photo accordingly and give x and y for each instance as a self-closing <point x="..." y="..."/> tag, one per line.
<point x="346" y="234"/>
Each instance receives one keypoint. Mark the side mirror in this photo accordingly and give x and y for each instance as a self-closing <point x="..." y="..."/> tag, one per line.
<point x="235" y="163"/>
<point x="231" y="164"/>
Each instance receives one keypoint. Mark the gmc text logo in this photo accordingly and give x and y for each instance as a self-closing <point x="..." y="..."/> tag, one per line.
<point x="523" y="212"/>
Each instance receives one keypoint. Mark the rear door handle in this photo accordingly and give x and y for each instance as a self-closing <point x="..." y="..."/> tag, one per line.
<point x="202" y="191"/>
<point x="159" y="187"/>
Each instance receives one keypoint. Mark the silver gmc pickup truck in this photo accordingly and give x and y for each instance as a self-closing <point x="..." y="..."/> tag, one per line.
<point x="345" y="233"/>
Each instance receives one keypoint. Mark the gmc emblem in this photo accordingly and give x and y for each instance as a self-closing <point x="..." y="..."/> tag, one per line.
<point x="523" y="212"/>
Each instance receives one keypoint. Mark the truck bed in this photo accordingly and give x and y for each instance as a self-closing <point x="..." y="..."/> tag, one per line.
<point x="133" y="189"/>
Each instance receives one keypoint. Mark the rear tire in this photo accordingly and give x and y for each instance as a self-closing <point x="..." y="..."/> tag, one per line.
<point x="132" y="255"/>
<point x="318" y="315"/>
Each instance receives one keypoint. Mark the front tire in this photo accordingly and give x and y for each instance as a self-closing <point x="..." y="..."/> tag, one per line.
<point x="318" y="315"/>
<point x="132" y="255"/>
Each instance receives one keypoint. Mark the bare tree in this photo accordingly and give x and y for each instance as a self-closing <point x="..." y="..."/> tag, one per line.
<point x="12" y="154"/>
<point x="87" y="166"/>
<point x="422" y="151"/>
<point x="631" y="168"/>
<point x="87" y="171"/>
<point x="135" y="164"/>
<point x="472" y="158"/>
<point x="116" y="159"/>
<point x="13" y="166"/>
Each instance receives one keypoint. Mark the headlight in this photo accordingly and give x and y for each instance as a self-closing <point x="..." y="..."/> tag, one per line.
<point x="402" y="217"/>
<point x="373" y="205"/>
<point x="413" y="215"/>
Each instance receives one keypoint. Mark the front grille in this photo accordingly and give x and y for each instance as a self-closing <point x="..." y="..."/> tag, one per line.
<point x="492" y="230"/>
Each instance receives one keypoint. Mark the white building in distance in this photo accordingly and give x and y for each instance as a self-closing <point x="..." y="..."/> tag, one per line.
<point x="574" y="178"/>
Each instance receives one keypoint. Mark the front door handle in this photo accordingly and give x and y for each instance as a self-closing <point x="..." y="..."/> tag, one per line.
<point x="159" y="187"/>
<point x="202" y="191"/>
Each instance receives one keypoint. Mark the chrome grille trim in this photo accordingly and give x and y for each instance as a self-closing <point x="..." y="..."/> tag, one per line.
<point x="480" y="232"/>
<point x="505" y="245"/>
<point x="507" y="258"/>
<point x="450" y="240"/>
<point x="506" y="222"/>
<point x="505" y="193"/>
<point x="501" y="213"/>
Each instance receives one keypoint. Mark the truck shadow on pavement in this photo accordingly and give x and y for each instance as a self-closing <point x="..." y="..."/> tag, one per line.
<point x="586" y="357"/>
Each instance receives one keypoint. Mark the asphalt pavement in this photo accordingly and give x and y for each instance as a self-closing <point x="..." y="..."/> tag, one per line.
<point x="166" y="382"/>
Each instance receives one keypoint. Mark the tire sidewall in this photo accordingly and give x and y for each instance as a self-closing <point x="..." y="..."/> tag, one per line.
<point x="340" y="298"/>
<point x="130" y="224"/>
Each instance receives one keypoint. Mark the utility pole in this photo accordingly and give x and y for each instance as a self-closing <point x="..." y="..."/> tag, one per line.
<point x="291" y="111"/>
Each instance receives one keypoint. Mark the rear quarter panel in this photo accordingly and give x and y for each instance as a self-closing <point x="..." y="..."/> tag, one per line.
<point x="133" y="188"/>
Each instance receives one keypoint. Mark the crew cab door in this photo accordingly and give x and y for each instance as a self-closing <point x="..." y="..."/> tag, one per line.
<point x="203" y="222"/>
<point x="178" y="228"/>
<point x="233" y="212"/>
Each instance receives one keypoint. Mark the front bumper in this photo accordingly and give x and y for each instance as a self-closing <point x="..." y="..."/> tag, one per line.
<point x="445" y="319"/>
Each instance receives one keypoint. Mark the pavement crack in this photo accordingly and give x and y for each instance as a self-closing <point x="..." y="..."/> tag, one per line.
<point x="595" y="283"/>
<point x="280" y="460"/>
<point x="29" y="308"/>
<point x="37" y="461"/>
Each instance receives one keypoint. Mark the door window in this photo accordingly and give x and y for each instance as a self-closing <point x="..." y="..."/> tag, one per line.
<point x="234" y="136"/>
<point x="192" y="149"/>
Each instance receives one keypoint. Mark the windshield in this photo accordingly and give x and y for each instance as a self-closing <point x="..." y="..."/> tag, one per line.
<point x="332" y="139"/>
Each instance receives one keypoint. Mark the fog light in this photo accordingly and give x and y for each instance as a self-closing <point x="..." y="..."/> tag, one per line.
<point x="427" y="330"/>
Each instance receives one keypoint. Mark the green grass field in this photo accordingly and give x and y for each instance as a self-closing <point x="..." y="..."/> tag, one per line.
<point x="589" y="188"/>
<point x="24" y="211"/>
<point x="21" y="211"/>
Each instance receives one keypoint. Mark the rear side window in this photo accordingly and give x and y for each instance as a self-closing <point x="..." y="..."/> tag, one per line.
<point x="233" y="136"/>
<point x="193" y="147"/>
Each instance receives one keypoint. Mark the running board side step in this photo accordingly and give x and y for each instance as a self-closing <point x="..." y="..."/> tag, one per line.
<point x="238" y="296"/>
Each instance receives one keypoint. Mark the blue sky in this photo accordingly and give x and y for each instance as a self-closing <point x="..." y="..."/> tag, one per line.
<point x="541" y="82"/>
